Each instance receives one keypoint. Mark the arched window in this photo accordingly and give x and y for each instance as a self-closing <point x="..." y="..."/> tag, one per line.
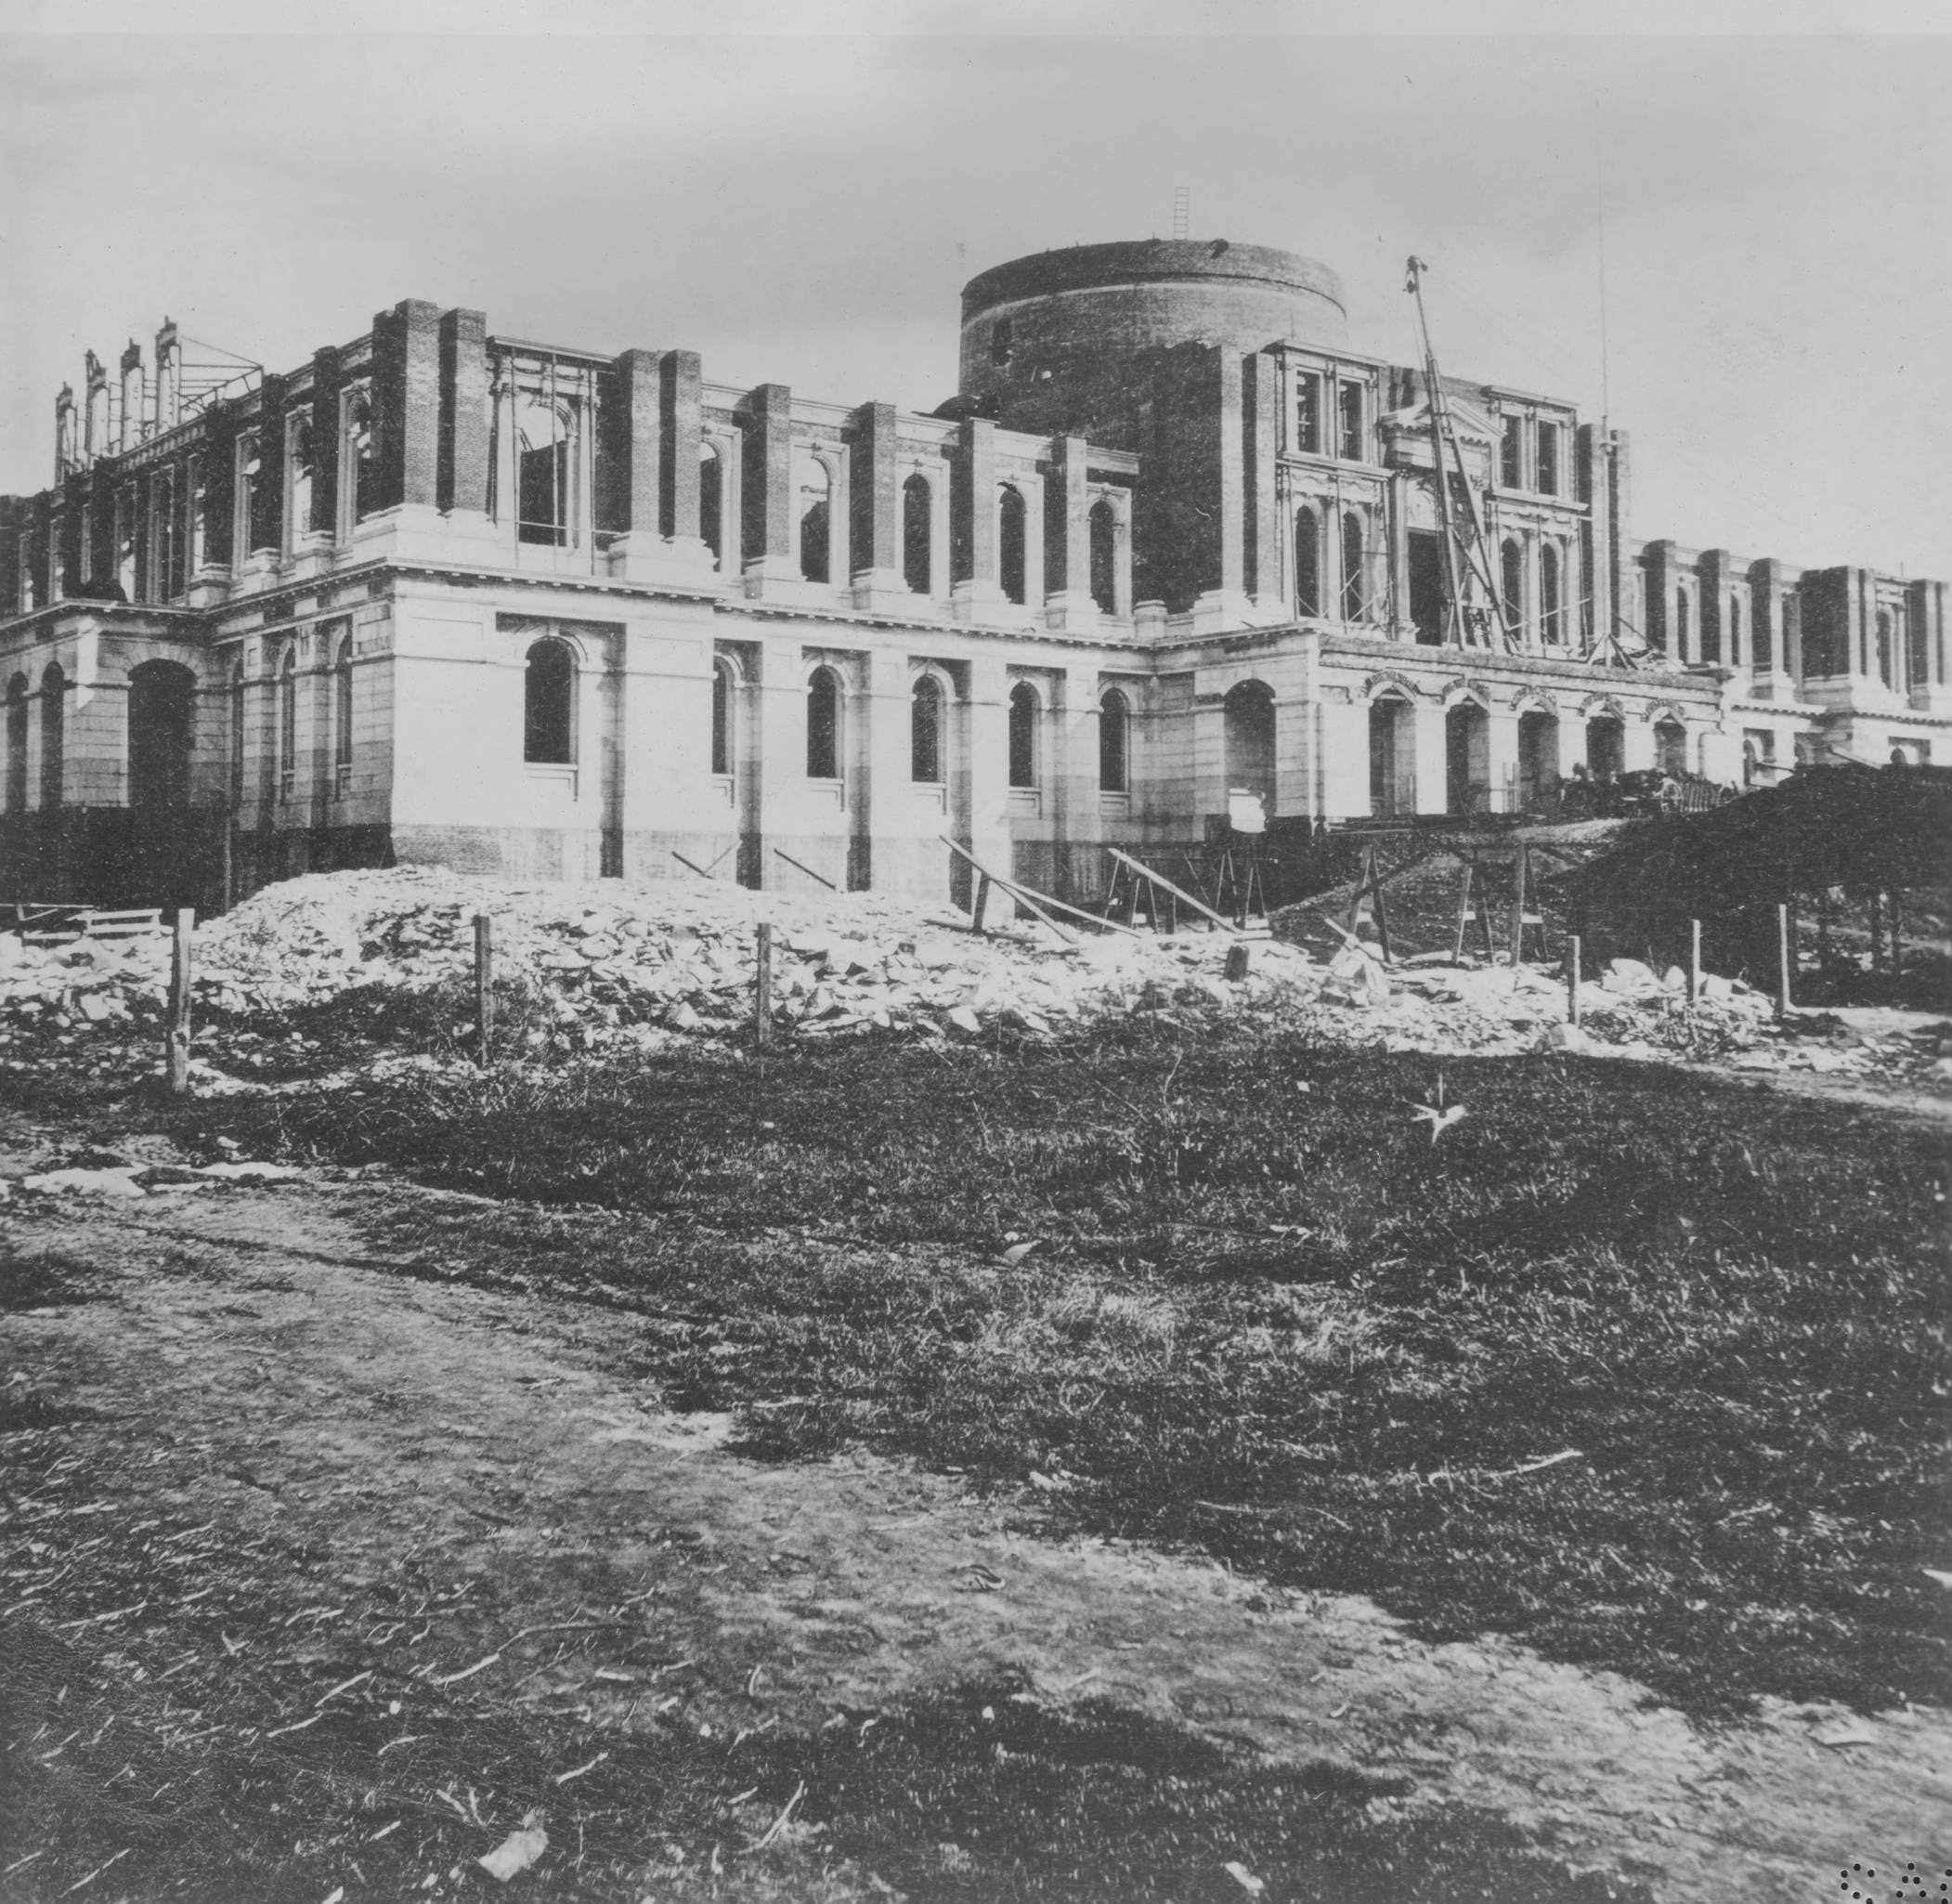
<point x="1352" y="595"/>
<point x="1670" y="746"/>
<point x="343" y="707"/>
<point x="918" y="533"/>
<point x="813" y="563"/>
<point x="17" y="743"/>
<point x="237" y="735"/>
<point x="711" y="503"/>
<point x="1023" y="734"/>
<point x="1682" y="649"/>
<point x="1248" y="740"/>
<point x="1114" y="742"/>
<point x="301" y="463"/>
<point x="545" y="430"/>
<point x="925" y="732"/>
<point x="722" y="686"/>
<point x="54" y="714"/>
<point x="1552" y="606"/>
<point x="549" y="704"/>
<point x="288" y="723"/>
<point x="1511" y="584"/>
<point x="1886" y="649"/>
<point x="824" y="726"/>
<point x="1104" y="557"/>
<point x="1011" y="543"/>
<point x="357" y="471"/>
<point x="162" y="695"/>
<point x="1308" y="563"/>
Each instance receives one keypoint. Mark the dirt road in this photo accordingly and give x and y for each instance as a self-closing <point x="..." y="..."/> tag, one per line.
<point x="259" y="1368"/>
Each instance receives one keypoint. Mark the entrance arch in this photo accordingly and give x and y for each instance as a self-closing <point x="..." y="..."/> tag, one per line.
<point x="161" y="698"/>
<point x="1468" y="759"/>
<point x="1392" y="756"/>
<point x="1538" y="759"/>
<point x="1248" y="717"/>
<point x="1606" y="748"/>
<point x="1670" y="746"/>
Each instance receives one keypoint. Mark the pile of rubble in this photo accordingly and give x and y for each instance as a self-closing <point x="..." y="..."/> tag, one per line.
<point x="597" y="968"/>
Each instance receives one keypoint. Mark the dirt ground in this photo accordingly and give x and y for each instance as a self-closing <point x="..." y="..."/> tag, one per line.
<point x="271" y="1370"/>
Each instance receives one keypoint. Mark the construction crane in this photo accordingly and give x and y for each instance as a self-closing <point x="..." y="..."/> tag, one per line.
<point x="1474" y="615"/>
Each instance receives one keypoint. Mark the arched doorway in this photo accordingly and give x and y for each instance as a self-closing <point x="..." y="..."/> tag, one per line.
<point x="1670" y="746"/>
<point x="1392" y="759"/>
<point x="1538" y="759"/>
<point x="1248" y="720"/>
<point x="1468" y="759"/>
<point x="162" y="699"/>
<point x="1606" y="748"/>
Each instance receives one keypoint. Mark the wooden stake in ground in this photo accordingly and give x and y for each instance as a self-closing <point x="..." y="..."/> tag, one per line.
<point x="762" y="985"/>
<point x="177" y="1034"/>
<point x="1785" y="958"/>
<point x="484" y="989"/>
<point x="1694" y="961"/>
<point x="1521" y="869"/>
<point x="1572" y="979"/>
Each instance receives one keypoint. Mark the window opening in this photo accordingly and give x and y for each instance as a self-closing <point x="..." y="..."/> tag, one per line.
<point x="1307" y="413"/>
<point x="1115" y="733"/>
<point x="1308" y="563"/>
<point x="1511" y="581"/>
<point x="824" y="726"/>
<point x="1352" y="597"/>
<point x="1002" y="342"/>
<point x="1552" y="606"/>
<point x="360" y="460"/>
<point x="162" y="694"/>
<point x="549" y="704"/>
<point x="1549" y="459"/>
<point x="343" y="707"/>
<point x="1886" y="649"/>
<point x="1011" y="543"/>
<point x="1511" y="453"/>
<point x="925" y="732"/>
<point x="918" y="533"/>
<point x="1103" y="529"/>
<point x="720" y="718"/>
<point x="17" y="743"/>
<point x="1023" y="734"/>
<point x="814" y="543"/>
<point x="1681" y="627"/>
<point x="54" y="714"/>
<point x="711" y="503"/>
<point x="302" y="463"/>
<point x="1349" y="398"/>
<point x="247" y="476"/>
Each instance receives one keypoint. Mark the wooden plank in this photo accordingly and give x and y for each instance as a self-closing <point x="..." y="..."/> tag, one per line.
<point x="1160" y="879"/>
<point x="1022" y="895"/>
<point x="177" y="1031"/>
<point x="691" y="865"/>
<point x="808" y="871"/>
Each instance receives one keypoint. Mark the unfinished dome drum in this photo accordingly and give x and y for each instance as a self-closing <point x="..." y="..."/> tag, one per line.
<point x="1049" y="340"/>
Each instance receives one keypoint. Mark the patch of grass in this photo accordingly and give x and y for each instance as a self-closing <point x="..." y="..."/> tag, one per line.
<point x="44" y="1279"/>
<point x="1268" y="1318"/>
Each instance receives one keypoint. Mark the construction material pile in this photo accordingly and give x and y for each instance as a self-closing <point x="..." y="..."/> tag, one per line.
<point x="289" y="984"/>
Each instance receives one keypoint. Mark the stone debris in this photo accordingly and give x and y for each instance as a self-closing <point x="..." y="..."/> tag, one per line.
<point x="610" y="967"/>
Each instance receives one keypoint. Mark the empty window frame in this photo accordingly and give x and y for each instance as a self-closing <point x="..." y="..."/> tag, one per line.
<point x="1511" y="453"/>
<point x="823" y="724"/>
<point x="288" y="721"/>
<point x="1011" y="543"/>
<point x="17" y="743"/>
<point x="548" y="679"/>
<point x="815" y="520"/>
<point x="1352" y="442"/>
<point x="199" y="479"/>
<point x="721" y="705"/>
<point x="1306" y="441"/>
<point x="711" y="503"/>
<point x="924" y="733"/>
<point x="1114" y="742"/>
<point x="1103" y="533"/>
<point x="1308" y="563"/>
<point x="1548" y="483"/>
<point x="165" y="535"/>
<point x="1887" y="649"/>
<point x="1023" y="713"/>
<point x="1002" y="342"/>
<point x="1917" y="660"/>
<point x="54" y="717"/>
<point x="917" y="534"/>
<point x="358" y="458"/>
<point x="1511" y="584"/>
<point x="301" y="467"/>
<point x="548" y="421"/>
<point x="248" y="474"/>
<point x="343" y="710"/>
<point x="1354" y="598"/>
<point x="1552" y="595"/>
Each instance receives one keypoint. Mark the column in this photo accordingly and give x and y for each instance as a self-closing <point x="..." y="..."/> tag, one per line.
<point x="631" y="464"/>
<point x="767" y="482"/>
<point x="680" y="400"/>
<point x="1261" y="565"/>
<point x="874" y="514"/>
<point x="975" y="589"/>
<point x="1068" y="606"/>
<point x="462" y="472"/>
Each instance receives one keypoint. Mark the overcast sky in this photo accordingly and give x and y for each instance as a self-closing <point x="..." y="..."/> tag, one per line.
<point x="805" y="211"/>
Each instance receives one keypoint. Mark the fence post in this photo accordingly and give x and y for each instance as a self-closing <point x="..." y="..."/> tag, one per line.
<point x="1572" y="979"/>
<point x="1784" y="959"/>
<point x="1694" y="961"/>
<point x="762" y="987"/>
<point x="484" y="989"/>
<point x="177" y="1032"/>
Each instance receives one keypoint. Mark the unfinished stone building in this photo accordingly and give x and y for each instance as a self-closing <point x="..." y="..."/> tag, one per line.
<point x="441" y="594"/>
